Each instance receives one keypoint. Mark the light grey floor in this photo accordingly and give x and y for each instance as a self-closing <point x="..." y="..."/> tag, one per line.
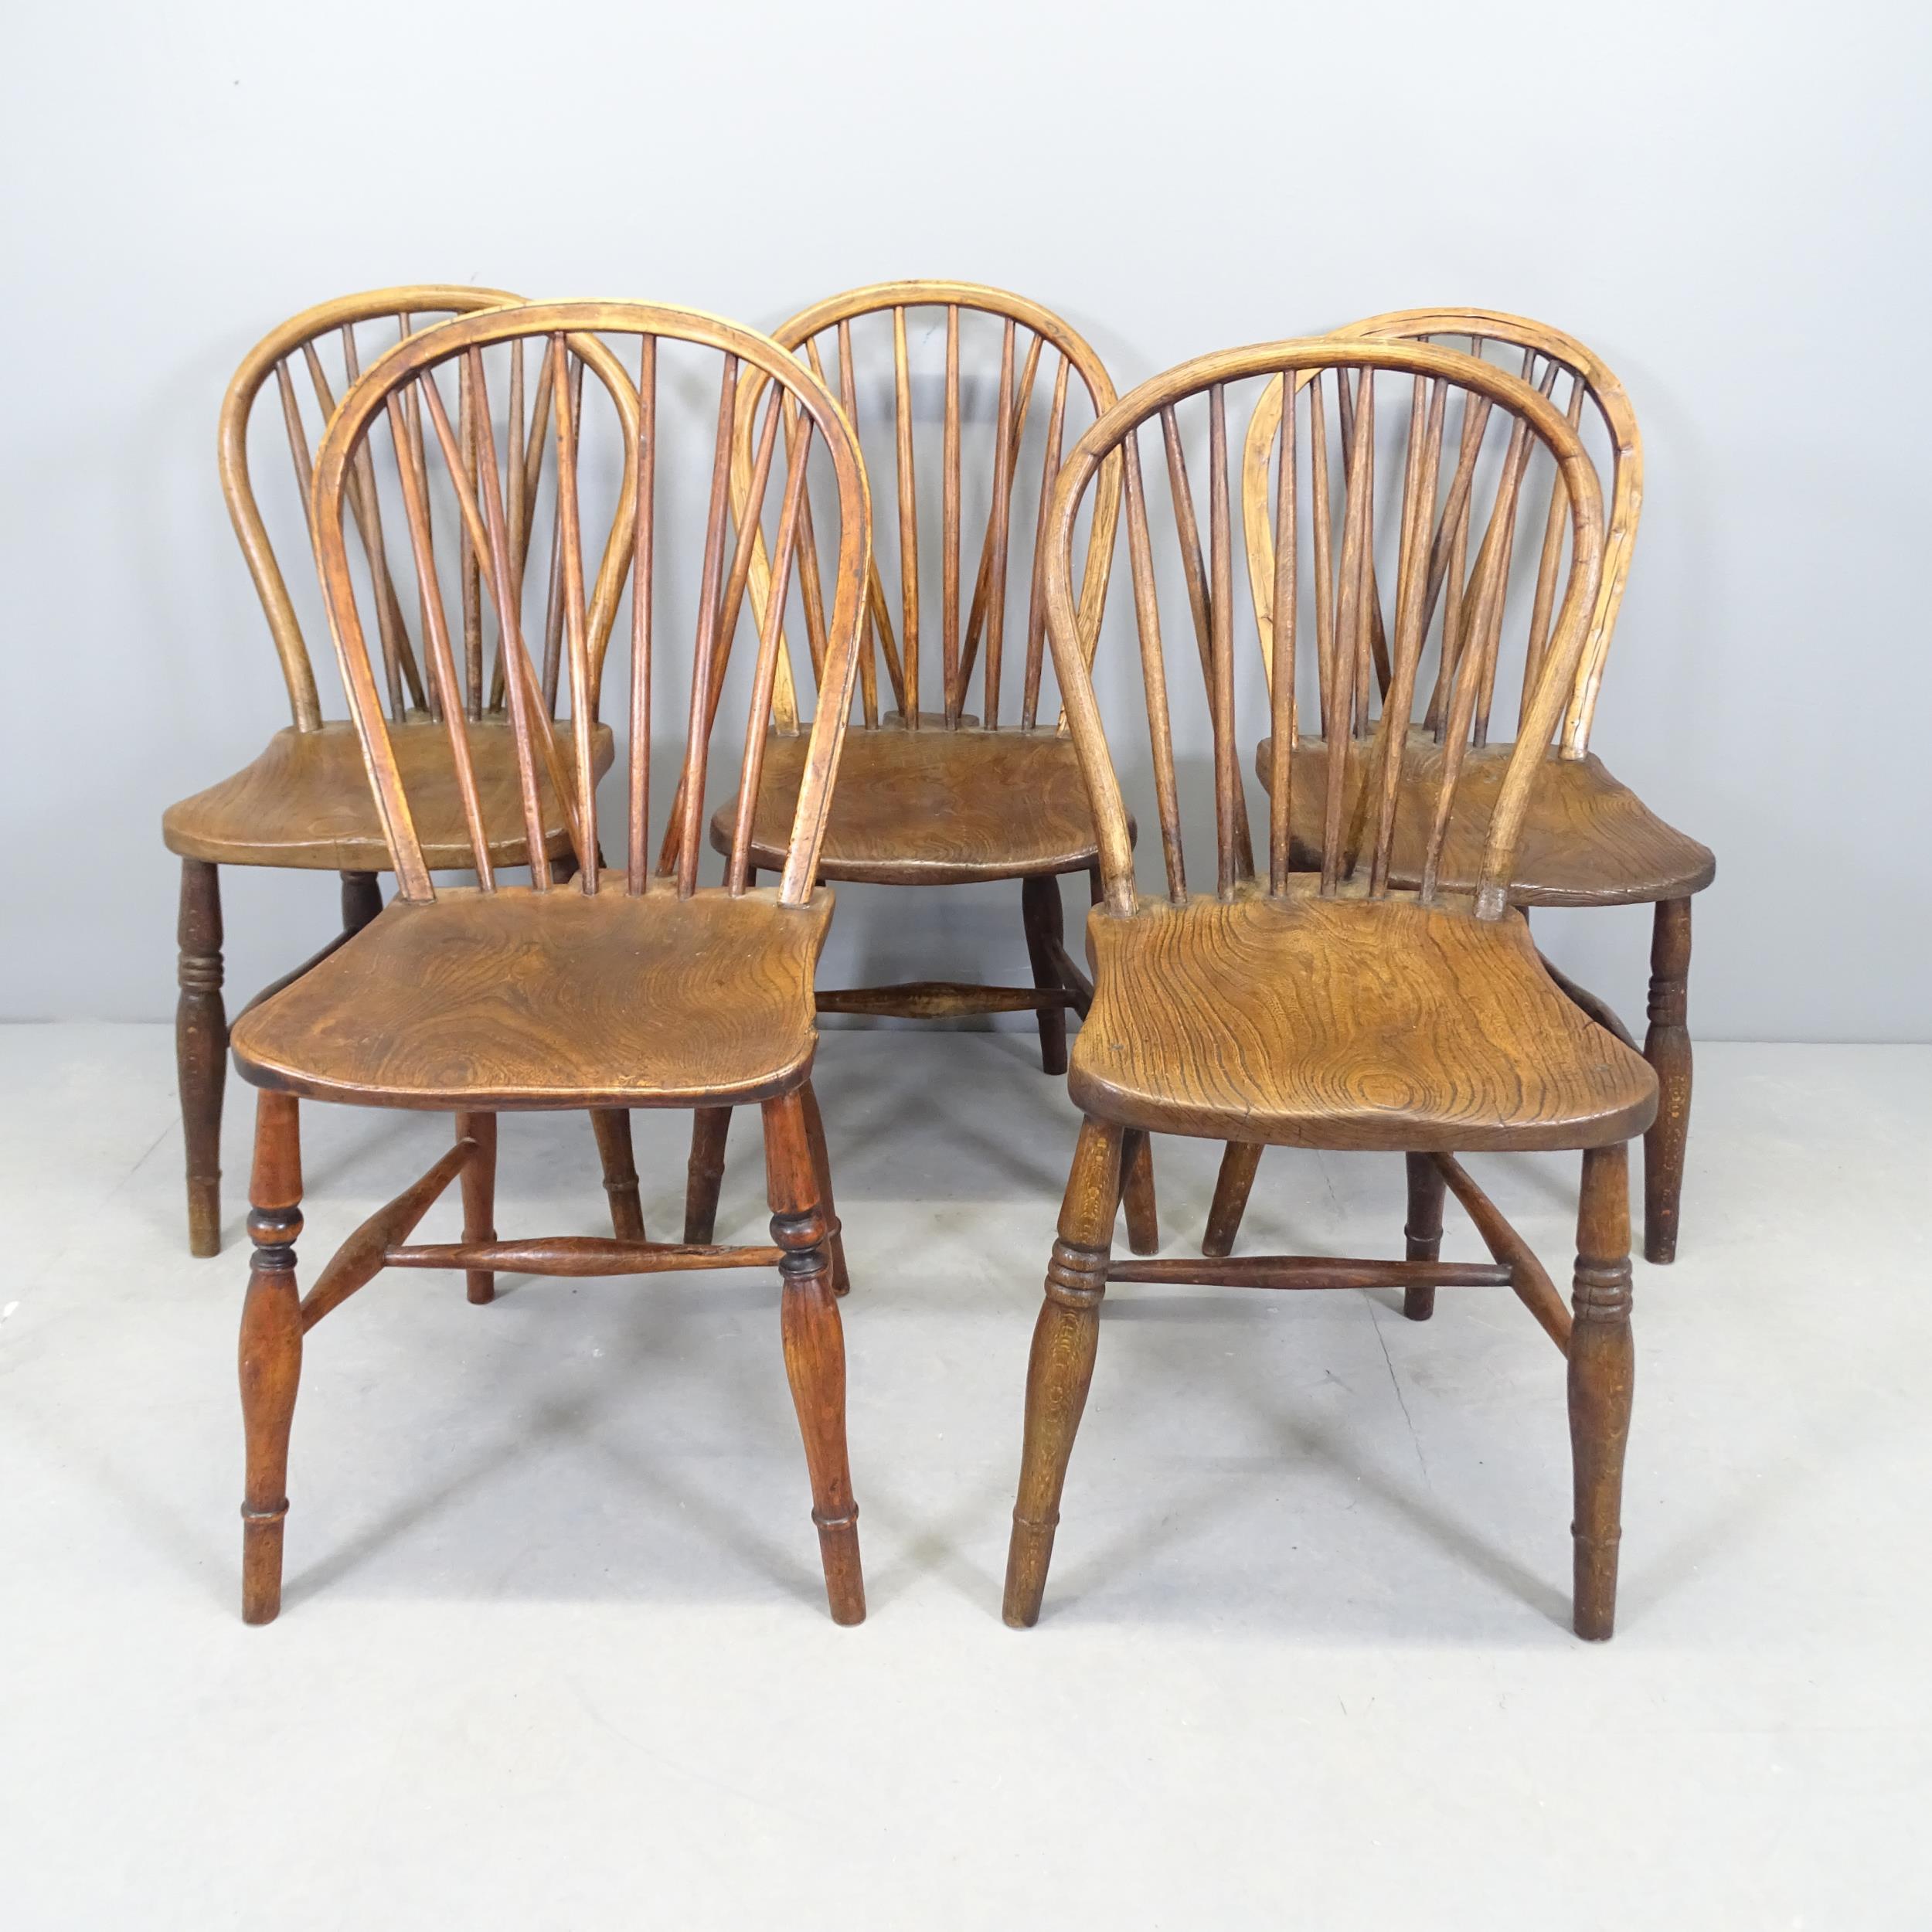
<point x="555" y="1653"/>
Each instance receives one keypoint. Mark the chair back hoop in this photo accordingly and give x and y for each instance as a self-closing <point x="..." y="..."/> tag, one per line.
<point x="402" y="387"/>
<point x="273" y="357"/>
<point x="974" y="635"/>
<point x="1347" y="609"/>
<point x="1590" y="377"/>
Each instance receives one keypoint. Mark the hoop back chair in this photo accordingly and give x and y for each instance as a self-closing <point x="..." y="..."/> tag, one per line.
<point x="1330" y="1007"/>
<point x="1586" y="839"/>
<point x="951" y="776"/>
<point x="588" y="987"/>
<point x="304" y="803"/>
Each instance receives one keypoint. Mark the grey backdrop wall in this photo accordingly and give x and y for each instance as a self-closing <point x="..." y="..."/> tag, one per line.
<point x="1728" y="202"/>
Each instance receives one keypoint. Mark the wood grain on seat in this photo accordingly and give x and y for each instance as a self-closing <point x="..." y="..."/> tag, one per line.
<point x="306" y="802"/>
<point x="1586" y="840"/>
<point x="1345" y="1021"/>
<point x="932" y="807"/>
<point x="537" y="999"/>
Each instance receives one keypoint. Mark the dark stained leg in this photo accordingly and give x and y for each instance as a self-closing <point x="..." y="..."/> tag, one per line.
<point x="1424" y="1230"/>
<point x="201" y="1048"/>
<point x="815" y="1347"/>
<point x="479" y="1196"/>
<point x="612" y="1126"/>
<point x="1601" y="1368"/>
<point x="1062" y="1364"/>
<point x="1039" y="900"/>
<point x="1137" y="1190"/>
<point x="1667" y="1046"/>
<point x="822" y="1165"/>
<point x="709" y="1127"/>
<point x="271" y="1350"/>
<point x="1239" y="1161"/>
<point x="362" y="899"/>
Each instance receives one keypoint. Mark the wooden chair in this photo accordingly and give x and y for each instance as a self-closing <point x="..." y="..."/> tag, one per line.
<point x="932" y="792"/>
<point x="616" y="991"/>
<point x="1330" y="1009"/>
<point x="1586" y="840"/>
<point x="305" y="803"/>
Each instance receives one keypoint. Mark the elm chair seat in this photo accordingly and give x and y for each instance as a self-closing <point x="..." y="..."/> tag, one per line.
<point x="933" y="806"/>
<point x="1297" y="1021"/>
<point x="523" y="999"/>
<point x="306" y="802"/>
<point x="1588" y="840"/>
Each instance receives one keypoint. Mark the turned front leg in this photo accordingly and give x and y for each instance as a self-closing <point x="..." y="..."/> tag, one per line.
<point x="815" y="1348"/>
<point x="201" y="1048"/>
<point x="1667" y="1046"/>
<point x="1061" y="1365"/>
<point x="1602" y="1367"/>
<point x="1423" y="1231"/>
<point x="270" y="1351"/>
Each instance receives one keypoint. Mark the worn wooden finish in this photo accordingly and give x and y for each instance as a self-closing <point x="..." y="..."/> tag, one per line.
<point x="933" y="808"/>
<point x="1329" y="1007"/>
<point x="1588" y="840"/>
<point x="519" y="998"/>
<point x="305" y="802"/>
<point x="1347" y="1022"/>
<point x="599" y="989"/>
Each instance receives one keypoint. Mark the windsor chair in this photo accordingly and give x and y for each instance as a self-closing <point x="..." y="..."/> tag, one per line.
<point x="1330" y="1009"/>
<point x="620" y="990"/>
<point x="931" y="792"/>
<point x="1586" y="840"/>
<point x="304" y="803"/>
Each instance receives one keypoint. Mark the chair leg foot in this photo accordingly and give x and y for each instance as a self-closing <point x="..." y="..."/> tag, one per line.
<point x="612" y="1127"/>
<point x="1422" y="1232"/>
<point x="1601" y="1370"/>
<point x="1061" y="1366"/>
<point x="710" y="1126"/>
<point x="479" y="1198"/>
<point x="1667" y="1046"/>
<point x="270" y="1353"/>
<point x="1136" y="1191"/>
<point x="815" y="1348"/>
<point x="201" y="1048"/>
<point x="1239" y="1160"/>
